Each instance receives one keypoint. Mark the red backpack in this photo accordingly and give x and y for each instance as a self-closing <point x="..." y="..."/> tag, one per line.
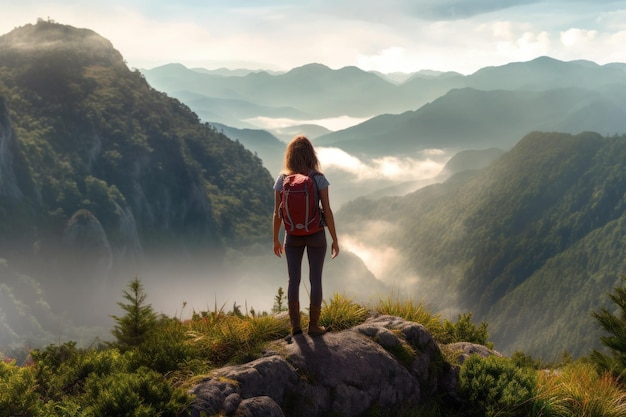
<point x="299" y="207"/>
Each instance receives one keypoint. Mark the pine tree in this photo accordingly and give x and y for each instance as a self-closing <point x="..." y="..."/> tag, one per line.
<point x="279" y="301"/>
<point x="615" y="325"/>
<point x="140" y="319"/>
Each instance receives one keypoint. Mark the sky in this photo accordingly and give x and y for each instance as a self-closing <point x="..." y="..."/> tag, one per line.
<point x="386" y="36"/>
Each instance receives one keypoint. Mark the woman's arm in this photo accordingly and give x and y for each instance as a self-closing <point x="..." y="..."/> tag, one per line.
<point x="330" y="221"/>
<point x="278" y="246"/>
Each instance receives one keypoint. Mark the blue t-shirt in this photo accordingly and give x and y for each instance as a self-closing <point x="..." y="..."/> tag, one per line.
<point x="320" y="180"/>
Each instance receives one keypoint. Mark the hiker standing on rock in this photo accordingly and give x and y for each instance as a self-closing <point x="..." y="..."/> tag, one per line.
<point x="299" y="189"/>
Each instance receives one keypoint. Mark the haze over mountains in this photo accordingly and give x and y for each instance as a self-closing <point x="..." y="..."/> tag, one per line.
<point x="395" y="126"/>
<point x="101" y="166"/>
<point x="542" y="94"/>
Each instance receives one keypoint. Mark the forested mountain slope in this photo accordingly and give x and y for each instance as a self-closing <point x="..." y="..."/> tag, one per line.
<point x="531" y="244"/>
<point x="100" y="171"/>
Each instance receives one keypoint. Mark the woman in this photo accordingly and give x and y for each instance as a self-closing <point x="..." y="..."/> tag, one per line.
<point x="300" y="158"/>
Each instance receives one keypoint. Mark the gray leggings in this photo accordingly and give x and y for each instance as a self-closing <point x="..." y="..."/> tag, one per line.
<point x="315" y="245"/>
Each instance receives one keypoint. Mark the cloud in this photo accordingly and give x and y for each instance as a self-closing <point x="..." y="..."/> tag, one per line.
<point x="384" y="260"/>
<point x="426" y="164"/>
<point x="331" y="123"/>
<point x="396" y="35"/>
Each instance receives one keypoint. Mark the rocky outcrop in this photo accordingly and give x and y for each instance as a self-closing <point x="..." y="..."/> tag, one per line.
<point x="386" y="363"/>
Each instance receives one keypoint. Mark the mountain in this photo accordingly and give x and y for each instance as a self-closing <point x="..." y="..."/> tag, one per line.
<point x="531" y="244"/>
<point x="101" y="174"/>
<point x="317" y="91"/>
<point x="545" y="73"/>
<point x="103" y="178"/>
<point x="471" y="160"/>
<point x="313" y="89"/>
<point x="269" y="148"/>
<point x="468" y="118"/>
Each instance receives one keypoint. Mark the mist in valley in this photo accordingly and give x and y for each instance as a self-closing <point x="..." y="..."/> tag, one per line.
<point x="367" y="268"/>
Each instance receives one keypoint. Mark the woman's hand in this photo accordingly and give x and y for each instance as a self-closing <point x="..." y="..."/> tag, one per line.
<point x="334" y="249"/>
<point x="278" y="248"/>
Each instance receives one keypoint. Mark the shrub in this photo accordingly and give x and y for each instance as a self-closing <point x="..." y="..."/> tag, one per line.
<point x="144" y="393"/>
<point x="17" y="391"/>
<point x="165" y="349"/>
<point x="465" y="331"/>
<point x="494" y="386"/>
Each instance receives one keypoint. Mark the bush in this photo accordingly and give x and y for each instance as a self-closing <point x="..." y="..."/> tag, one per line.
<point x="144" y="393"/>
<point x="165" y="349"/>
<point x="494" y="386"/>
<point x="465" y="331"/>
<point x="17" y="391"/>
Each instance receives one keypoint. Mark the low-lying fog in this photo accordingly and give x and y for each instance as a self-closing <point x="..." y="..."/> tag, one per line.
<point x="365" y="270"/>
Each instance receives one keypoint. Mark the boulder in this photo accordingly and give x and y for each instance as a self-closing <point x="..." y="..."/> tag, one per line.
<point x="386" y="363"/>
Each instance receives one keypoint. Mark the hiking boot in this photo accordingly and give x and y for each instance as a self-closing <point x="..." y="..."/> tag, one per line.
<point x="314" y="328"/>
<point x="294" y="318"/>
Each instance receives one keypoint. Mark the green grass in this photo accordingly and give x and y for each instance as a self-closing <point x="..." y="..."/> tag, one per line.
<point x="411" y="311"/>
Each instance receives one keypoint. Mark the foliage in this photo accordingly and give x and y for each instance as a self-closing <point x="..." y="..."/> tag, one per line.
<point x="466" y="331"/>
<point x="19" y="396"/>
<point x="150" y="377"/>
<point x="615" y="325"/>
<point x="167" y="350"/>
<point x="577" y="390"/>
<point x="143" y="393"/>
<point x="140" y="319"/>
<point x="279" y="301"/>
<point x="494" y="386"/>
<point x="105" y="382"/>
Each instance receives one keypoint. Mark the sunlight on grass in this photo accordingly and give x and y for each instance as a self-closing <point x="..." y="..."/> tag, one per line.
<point x="577" y="390"/>
<point x="225" y="338"/>
<point x="342" y="313"/>
<point x="410" y="311"/>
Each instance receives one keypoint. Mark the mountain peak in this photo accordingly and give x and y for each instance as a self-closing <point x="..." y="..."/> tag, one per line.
<point x="309" y="68"/>
<point x="48" y="37"/>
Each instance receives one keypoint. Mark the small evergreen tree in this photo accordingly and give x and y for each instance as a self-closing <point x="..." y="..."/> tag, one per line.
<point x="279" y="300"/>
<point x="140" y="319"/>
<point x="615" y="325"/>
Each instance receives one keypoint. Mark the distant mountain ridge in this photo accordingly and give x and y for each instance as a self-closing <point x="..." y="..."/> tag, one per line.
<point x="493" y="107"/>
<point x="354" y="92"/>
<point x="469" y="118"/>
